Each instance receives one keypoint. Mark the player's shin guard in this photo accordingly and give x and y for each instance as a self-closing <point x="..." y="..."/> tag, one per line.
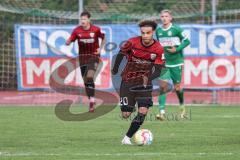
<point x="90" y="88"/>
<point x="135" y="125"/>
<point x="180" y="95"/>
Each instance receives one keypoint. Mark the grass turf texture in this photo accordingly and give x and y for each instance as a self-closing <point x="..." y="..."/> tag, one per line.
<point x="28" y="133"/>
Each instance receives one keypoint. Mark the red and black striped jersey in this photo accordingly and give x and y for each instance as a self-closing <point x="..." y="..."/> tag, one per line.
<point x="140" y="58"/>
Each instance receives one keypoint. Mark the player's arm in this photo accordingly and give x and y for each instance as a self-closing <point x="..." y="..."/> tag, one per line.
<point x="117" y="63"/>
<point x="124" y="50"/>
<point x="103" y="42"/>
<point x="158" y="65"/>
<point x="156" y="71"/>
<point x="72" y="38"/>
<point x="185" y="41"/>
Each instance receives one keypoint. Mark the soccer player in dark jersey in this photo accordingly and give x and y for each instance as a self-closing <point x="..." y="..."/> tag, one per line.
<point x="88" y="36"/>
<point x="144" y="63"/>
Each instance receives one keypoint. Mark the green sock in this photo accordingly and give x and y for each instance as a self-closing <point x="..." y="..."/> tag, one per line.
<point x="162" y="101"/>
<point x="180" y="95"/>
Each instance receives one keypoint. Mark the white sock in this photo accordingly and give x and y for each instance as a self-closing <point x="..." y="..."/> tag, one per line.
<point x="126" y="137"/>
<point x="92" y="99"/>
<point x="162" y="111"/>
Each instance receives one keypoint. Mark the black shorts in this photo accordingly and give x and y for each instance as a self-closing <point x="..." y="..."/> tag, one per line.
<point x="130" y="94"/>
<point x="85" y="67"/>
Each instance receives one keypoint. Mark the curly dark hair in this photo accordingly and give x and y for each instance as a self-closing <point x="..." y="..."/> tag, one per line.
<point x="148" y="23"/>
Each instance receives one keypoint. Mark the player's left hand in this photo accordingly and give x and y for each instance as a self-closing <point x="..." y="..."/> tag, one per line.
<point x="145" y="81"/>
<point x="98" y="51"/>
<point x="172" y="49"/>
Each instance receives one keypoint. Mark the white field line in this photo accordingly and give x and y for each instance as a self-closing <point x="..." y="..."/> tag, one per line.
<point x="26" y="154"/>
<point x="218" y="116"/>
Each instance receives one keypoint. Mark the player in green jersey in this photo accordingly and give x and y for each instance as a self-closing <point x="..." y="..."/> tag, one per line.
<point x="174" y="40"/>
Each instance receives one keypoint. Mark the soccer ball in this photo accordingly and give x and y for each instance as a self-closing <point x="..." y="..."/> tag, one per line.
<point x="143" y="137"/>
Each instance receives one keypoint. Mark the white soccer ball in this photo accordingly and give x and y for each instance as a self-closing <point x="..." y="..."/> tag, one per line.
<point x="143" y="137"/>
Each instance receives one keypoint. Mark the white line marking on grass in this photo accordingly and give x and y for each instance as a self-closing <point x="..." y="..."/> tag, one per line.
<point x="28" y="154"/>
<point x="231" y="116"/>
<point x="218" y="116"/>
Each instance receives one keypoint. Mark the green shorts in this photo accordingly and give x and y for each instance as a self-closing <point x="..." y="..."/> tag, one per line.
<point x="172" y="73"/>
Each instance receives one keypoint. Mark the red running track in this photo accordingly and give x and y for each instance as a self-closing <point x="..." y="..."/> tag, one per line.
<point x="51" y="98"/>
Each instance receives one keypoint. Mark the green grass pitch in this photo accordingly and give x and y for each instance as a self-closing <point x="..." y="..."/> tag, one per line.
<point x="34" y="133"/>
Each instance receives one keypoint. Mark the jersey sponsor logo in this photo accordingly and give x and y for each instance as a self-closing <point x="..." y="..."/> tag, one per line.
<point x="136" y="75"/>
<point x="141" y="53"/>
<point x="169" y="41"/>
<point x="137" y="60"/>
<point x="91" y="40"/>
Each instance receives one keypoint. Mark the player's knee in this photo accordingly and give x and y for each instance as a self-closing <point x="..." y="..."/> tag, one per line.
<point x="163" y="86"/>
<point x="139" y="119"/>
<point x="177" y="87"/>
<point x="89" y="80"/>
<point x="163" y="89"/>
<point x="90" y="73"/>
<point x="125" y="115"/>
<point x="89" y="83"/>
<point x="143" y="110"/>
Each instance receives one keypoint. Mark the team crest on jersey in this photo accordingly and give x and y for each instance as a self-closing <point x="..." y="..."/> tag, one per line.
<point x="92" y="34"/>
<point x="153" y="56"/>
<point x="169" y="33"/>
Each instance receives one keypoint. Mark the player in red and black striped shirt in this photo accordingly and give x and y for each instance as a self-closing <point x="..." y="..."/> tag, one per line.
<point x="144" y="63"/>
<point x="88" y="36"/>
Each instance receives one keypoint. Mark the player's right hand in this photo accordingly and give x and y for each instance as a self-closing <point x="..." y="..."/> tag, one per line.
<point x="172" y="49"/>
<point x="68" y="41"/>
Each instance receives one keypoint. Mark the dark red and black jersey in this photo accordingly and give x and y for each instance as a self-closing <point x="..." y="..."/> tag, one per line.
<point x="140" y="59"/>
<point x="88" y="42"/>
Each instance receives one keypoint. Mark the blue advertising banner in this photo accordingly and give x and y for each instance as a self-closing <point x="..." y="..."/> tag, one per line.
<point x="211" y="60"/>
